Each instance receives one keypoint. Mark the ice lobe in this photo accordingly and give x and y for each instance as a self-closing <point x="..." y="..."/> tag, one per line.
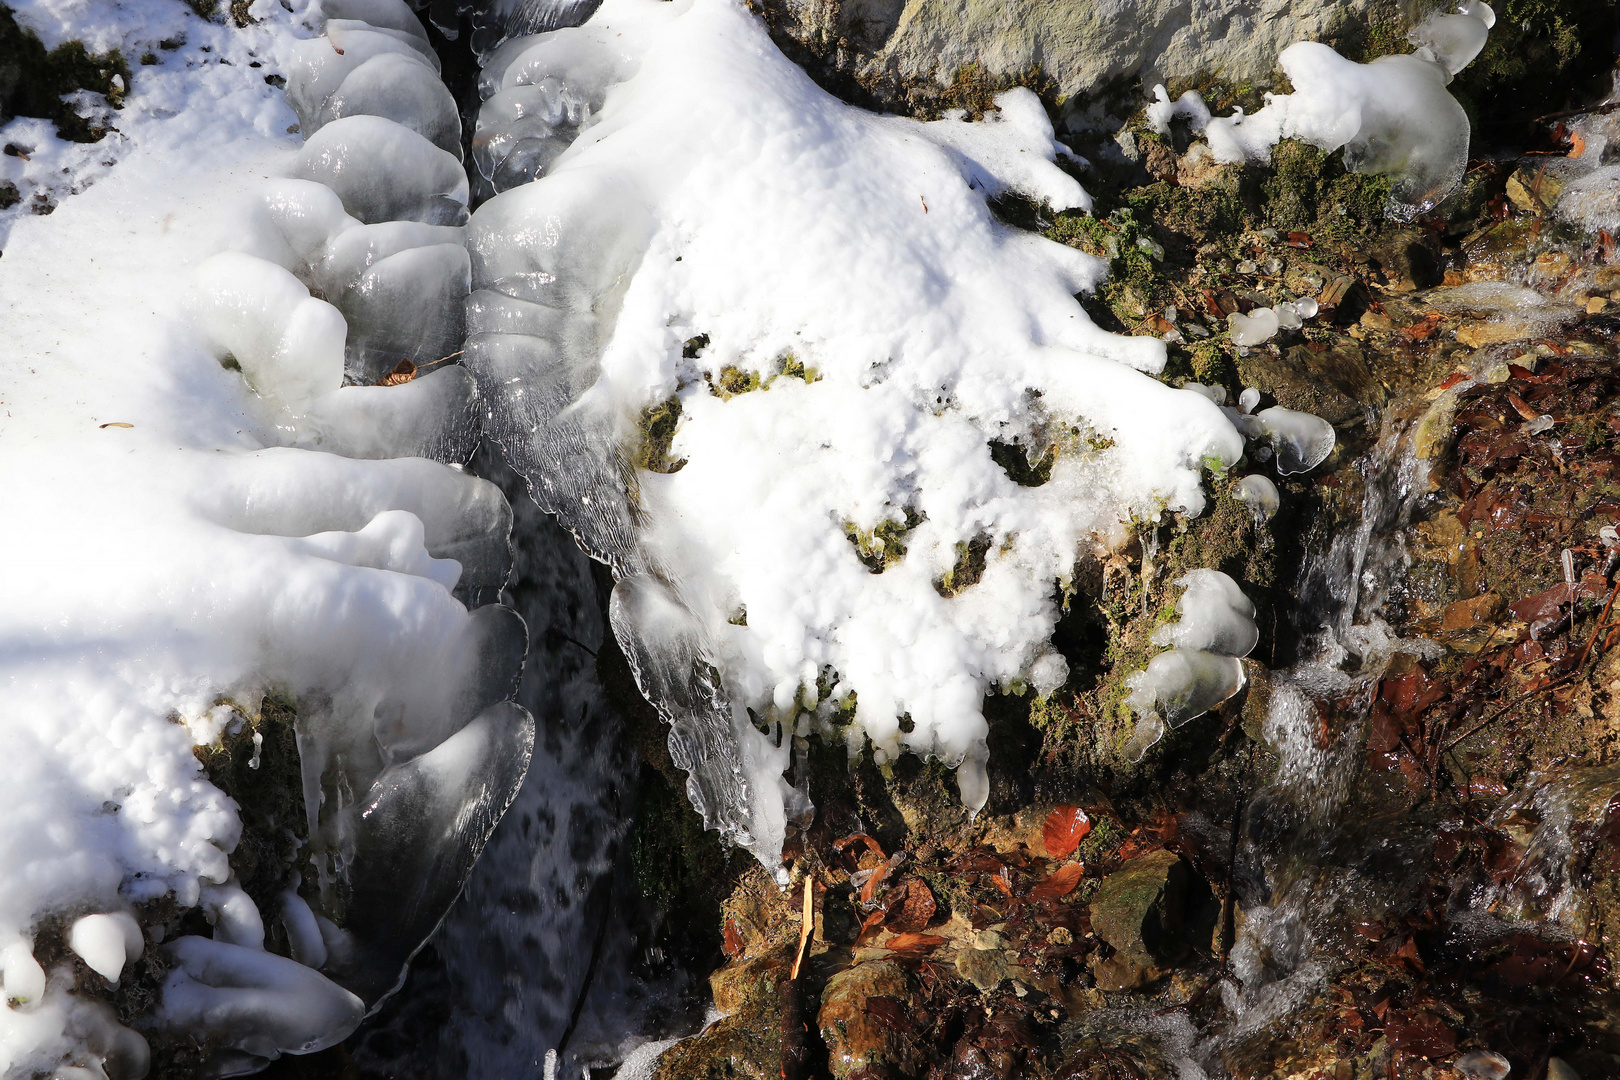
<point x="1392" y="116"/>
<point x="1300" y="440"/>
<point x="384" y="171"/>
<point x="236" y="998"/>
<point x="1202" y="668"/>
<point x="837" y="328"/>
<point x="107" y="942"/>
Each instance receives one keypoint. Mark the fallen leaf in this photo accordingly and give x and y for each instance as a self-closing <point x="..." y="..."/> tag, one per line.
<point x="1521" y="408"/>
<point x="1065" y="827"/>
<point x="1061" y="882"/>
<point x="1300" y="240"/>
<point x="870" y="889"/>
<point x="1423" y="1034"/>
<point x="732" y="941"/>
<point x="1455" y="378"/>
<point x="873" y="921"/>
<point x="914" y="943"/>
<point x="403" y="373"/>
<point x="117" y="423"/>
<point x="1002" y="881"/>
<point x="1577" y="145"/>
<point x="861" y="838"/>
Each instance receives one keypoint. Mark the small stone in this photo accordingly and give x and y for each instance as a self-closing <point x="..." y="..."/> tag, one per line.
<point x="1597" y="305"/>
<point x="1533" y="189"/>
<point x="1467" y="614"/>
<point x="1138" y="908"/>
<point x="855" y="1038"/>
<point x="738" y="986"/>
<point x="1060" y="935"/>
<point x="986" y="968"/>
<point x="1375" y="320"/>
<point x="1559" y="1069"/>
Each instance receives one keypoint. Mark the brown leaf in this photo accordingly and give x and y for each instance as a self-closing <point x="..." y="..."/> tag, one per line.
<point x="872" y="883"/>
<point x="1002" y="882"/>
<point x="910" y="907"/>
<point x="1300" y="240"/>
<point x="403" y="372"/>
<point x="915" y="944"/>
<point x="117" y="423"/>
<point x="1061" y="882"/>
<point x="1421" y="1033"/>
<point x="888" y="1011"/>
<point x="1520" y="407"/>
<point x="861" y="838"/>
<point x="872" y="922"/>
<point x="733" y="942"/>
<point x="1065" y="827"/>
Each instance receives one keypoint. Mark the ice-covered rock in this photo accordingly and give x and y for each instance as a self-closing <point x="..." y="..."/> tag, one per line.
<point x="1392" y="115"/>
<point x="822" y="299"/>
<point x="107" y="942"/>
<point x="1215" y="616"/>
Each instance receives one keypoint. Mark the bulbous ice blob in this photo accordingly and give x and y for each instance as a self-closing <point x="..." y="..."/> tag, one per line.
<point x="1454" y="39"/>
<point x="288" y="492"/>
<point x="1181" y="685"/>
<point x="481" y="669"/>
<point x="289" y="344"/>
<point x="106" y="942"/>
<point x="407" y="306"/>
<point x="433" y="416"/>
<point x="1261" y="495"/>
<point x="1255" y="328"/>
<point x="303" y="933"/>
<point x="252" y="1001"/>
<point x="1306" y="307"/>
<point x="24" y="980"/>
<point x="1287" y="317"/>
<point x="400" y="89"/>
<point x="393" y="540"/>
<point x="389" y="14"/>
<point x="384" y="171"/>
<point x="1149" y="730"/>
<point x="1391" y="116"/>
<point x="415" y="836"/>
<point x="1301" y="441"/>
<point x="549" y="112"/>
<point x="316" y="68"/>
<point x="1215" y="616"/>
<point x="1482" y="1065"/>
<point x="291" y="223"/>
<point x="234" y="915"/>
<point x="1248" y="399"/>
<point x="349" y="253"/>
<point x="1217" y="394"/>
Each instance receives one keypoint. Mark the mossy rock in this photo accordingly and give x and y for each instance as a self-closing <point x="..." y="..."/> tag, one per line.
<point x="33" y="79"/>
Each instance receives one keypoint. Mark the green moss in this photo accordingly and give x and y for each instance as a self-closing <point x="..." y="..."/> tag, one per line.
<point x="968" y="568"/>
<point x="884" y="545"/>
<point x="657" y="425"/>
<point x="734" y="380"/>
<point x="1310" y="191"/>
<point x="973" y="89"/>
<point x="266" y="780"/>
<point x="34" y="80"/>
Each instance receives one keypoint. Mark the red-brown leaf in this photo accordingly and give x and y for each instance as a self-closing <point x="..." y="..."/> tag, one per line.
<point x="916" y="944"/>
<point x="733" y="940"/>
<point x="1002" y="881"/>
<point x="1300" y="240"/>
<point x="1061" y="882"/>
<point x="1065" y="828"/>
<point x="861" y="838"/>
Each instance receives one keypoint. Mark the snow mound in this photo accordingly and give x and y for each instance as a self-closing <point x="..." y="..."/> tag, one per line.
<point x="760" y="351"/>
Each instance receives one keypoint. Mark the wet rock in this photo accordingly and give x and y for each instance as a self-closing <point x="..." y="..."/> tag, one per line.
<point x="1330" y="380"/>
<point x="1411" y="260"/>
<point x="1559" y="1069"/>
<point x="749" y="984"/>
<point x="744" y="1047"/>
<point x="987" y="968"/>
<point x="858" y="1037"/>
<point x="1139" y="909"/>
<point x="1533" y="189"/>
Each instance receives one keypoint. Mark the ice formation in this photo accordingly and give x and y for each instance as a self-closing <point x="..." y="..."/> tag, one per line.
<point x="1392" y="115"/>
<point x="215" y="527"/>
<point x="1201" y="667"/>
<point x="820" y="304"/>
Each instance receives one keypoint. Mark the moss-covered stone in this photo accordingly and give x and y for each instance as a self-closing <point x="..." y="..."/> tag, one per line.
<point x="33" y="80"/>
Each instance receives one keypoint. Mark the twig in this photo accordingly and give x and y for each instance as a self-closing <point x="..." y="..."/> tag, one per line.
<point x="795" y="1031"/>
<point x="1590" y="110"/>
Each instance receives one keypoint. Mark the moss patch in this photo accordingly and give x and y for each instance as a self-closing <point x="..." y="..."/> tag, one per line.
<point x="33" y="79"/>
